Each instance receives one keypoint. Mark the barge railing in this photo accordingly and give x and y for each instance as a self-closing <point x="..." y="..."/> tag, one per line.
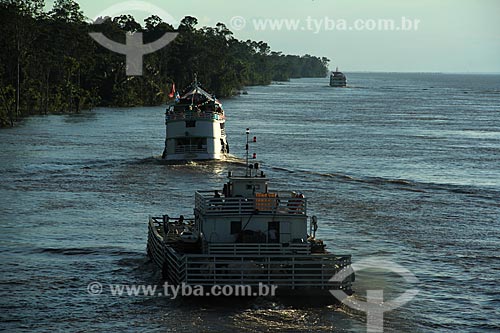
<point x="258" y="248"/>
<point x="207" y="204"/>
<point x="228" y="264"/>
<point x="284" y="271"/>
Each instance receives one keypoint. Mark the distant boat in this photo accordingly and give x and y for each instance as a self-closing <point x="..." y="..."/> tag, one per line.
<point x="337" y="79"/>
<point x="195" y="127"/>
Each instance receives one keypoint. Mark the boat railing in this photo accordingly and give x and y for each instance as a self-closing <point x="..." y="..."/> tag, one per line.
<point x="285" y="271"/>
<point x="207" y="203"/>
<point x="258" y="248"/>
<point x="160" y="220"/>
<point x="190" y="149"/>
<point x="176" y="264"/>
<point x="169" y="228"/>
<point x="193" y="115"/>
<point x="155" y="240"/>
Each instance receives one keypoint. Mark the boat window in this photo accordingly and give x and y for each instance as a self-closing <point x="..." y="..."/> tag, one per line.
<point x="235" y="227"/>
<point x="273" y="232"/>
<point x="190" y="123"/>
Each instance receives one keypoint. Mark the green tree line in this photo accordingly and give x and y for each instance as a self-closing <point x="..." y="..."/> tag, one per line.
<point x="50" y="64"/>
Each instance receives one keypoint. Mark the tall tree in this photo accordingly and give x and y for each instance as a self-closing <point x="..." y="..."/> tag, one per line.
<point x="50" y="64"/>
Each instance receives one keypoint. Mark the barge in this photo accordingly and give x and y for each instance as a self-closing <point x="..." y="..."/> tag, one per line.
<point x="246" y="234"/>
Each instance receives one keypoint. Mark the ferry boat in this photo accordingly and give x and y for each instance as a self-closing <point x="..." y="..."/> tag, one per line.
<point x="337" y="79"/>
<point x="195" y="127"/>
<point x="246" y="234"/>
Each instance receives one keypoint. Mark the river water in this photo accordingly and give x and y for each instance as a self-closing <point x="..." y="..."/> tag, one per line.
<point x="405" y="167"/>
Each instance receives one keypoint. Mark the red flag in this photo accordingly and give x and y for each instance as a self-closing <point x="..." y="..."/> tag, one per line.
<point x="172" y="91"/>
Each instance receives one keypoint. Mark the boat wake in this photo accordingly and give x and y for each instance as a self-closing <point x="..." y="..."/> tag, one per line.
<point x="86" y="251"/>
<point x="401" y="184"/>
<point x="229" y="160"/>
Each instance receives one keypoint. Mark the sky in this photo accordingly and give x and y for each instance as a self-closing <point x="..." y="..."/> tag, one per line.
<point x="458" y="36"/>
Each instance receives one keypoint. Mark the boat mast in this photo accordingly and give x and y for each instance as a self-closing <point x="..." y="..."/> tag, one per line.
<point x="195" y="88"/>
<point x="246" y="163"/>
<point x="249" y="167"/>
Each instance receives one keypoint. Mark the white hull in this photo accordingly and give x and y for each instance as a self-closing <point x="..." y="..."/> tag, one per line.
<point x="195" y="128"/>
<point x="338" y="79"/>
<point x="195" y="157"/>
<point x="206" y="140"/>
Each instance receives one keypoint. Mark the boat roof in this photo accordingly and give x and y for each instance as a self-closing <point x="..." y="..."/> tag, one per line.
<point x="195" y="89"/>
<point x="336" y="71"/>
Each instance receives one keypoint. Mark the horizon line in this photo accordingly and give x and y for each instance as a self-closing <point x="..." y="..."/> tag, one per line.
<point x="418" y="72"/>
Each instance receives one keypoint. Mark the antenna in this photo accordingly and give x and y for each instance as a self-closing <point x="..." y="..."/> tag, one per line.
<point x="246" y="163"/>
<point x="195" y="88"/>
<point x="249" y="167"/>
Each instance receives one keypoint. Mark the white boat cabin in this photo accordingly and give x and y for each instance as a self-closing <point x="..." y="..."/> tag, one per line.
<point x="245" y="211"/>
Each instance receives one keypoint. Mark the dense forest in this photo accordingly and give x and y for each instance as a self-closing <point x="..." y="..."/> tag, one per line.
<point x="50" y="63"/>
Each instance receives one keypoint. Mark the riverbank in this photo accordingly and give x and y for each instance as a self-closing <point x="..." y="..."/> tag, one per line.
<point x="7" y="122"/>
<point x="52" y="65"/>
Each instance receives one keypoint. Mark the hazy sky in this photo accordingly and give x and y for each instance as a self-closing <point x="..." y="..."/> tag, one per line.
<point x="451" y="36"/>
